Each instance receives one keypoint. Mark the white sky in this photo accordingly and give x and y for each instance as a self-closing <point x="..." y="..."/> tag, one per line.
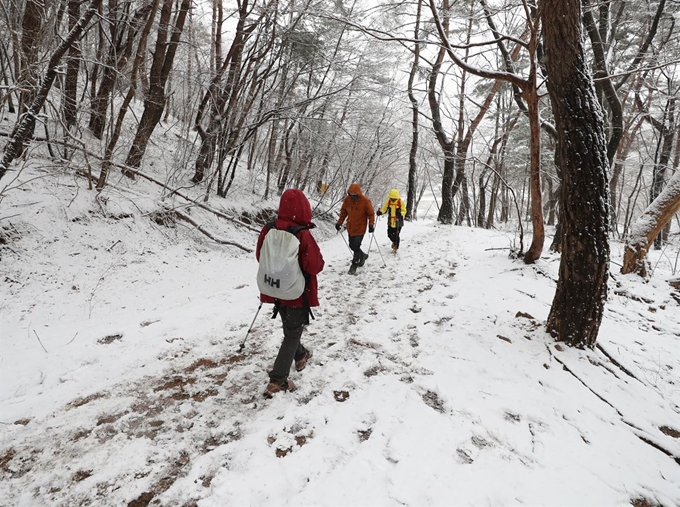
<point x="451" y="398"/>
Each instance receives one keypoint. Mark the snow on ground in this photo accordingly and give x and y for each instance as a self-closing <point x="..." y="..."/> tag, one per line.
<point x="432" y="382"/>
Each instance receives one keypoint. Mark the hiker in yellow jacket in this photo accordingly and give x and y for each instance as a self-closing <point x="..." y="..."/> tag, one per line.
<point x="395" y="209"/>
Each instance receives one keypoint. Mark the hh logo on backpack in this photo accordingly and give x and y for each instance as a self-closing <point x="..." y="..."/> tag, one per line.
<point x="279" y="274"/>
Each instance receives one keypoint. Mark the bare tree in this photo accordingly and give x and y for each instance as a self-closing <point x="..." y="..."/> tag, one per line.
<point x="529" y="90"/>
<point x="413" y="152"/>
<point x="23" y="132"/>
<point x="163" y="59"/>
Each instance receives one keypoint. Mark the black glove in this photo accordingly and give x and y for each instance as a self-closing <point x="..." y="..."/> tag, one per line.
<point x="378" y="213"/>
<point x="338" y="227"/>
<point x="371" y="229"/>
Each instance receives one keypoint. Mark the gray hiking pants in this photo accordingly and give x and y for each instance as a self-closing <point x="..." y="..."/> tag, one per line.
<point x="294" y="319"/>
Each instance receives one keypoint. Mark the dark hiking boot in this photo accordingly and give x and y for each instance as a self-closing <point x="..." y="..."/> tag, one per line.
<point x="364" y="256"/>
<point x="352" y="269"/>
<point x="302" y="362"/>
<point x="394" y="248"/>
<point x="276" y="387"/>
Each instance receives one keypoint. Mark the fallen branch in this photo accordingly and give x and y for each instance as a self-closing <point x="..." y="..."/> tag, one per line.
<point x="40" y="341"/>
<point x="203" y="230"/>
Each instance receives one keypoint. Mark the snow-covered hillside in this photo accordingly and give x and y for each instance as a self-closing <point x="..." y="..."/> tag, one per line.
<point x="432" y="382"/>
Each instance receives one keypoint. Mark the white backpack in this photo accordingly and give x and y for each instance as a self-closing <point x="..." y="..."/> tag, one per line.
<point x="279" y="274"/>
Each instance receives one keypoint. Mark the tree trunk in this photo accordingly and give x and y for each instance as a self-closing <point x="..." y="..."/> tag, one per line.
<point x="578" y="305"/>
<point x="163" y="59"/>
<point x="649" y="225"/>
<point x="446" y="210"/>
<point x="412" y="169"/>
<point x="667" y="131"/>
<point x="70" y="97"/>
<point x="139" y="57"/>
<point x="31" y="25"/>
<point x="532" y="99"/>
<point x="26" y="126"/>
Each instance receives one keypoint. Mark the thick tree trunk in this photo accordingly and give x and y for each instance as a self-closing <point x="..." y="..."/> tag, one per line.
<point x="577" y="308"/>
<point x="31" y="25"/>
<point x="447" y="145"/>
<point x="649" y="225"/>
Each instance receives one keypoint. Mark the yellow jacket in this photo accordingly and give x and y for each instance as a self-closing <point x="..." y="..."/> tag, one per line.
<point x="395" y="208"/>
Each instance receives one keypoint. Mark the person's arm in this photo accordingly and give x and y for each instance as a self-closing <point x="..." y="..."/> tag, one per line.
<point x="343" y="212"/>
<point x="403" y="208"/>
<point x="311" y="259"/>
<point x="370" y="212"/>
<point x="260" y="240"/>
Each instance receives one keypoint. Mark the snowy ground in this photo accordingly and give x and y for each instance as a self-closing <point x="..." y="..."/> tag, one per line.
<point x="432" y="382"/>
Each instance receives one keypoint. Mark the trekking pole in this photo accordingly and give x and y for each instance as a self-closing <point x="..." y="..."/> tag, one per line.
<point x="381" y="256"/>
<point x="243" y="343"/>
<point x="346" y="244"/>
<point x="372" y="236"/>
<point x="376" y="243"/>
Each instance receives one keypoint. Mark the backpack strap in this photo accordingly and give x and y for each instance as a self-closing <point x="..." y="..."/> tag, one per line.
<point x="294" y="230"/>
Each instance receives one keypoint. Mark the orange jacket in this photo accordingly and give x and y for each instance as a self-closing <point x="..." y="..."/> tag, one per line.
<point x="357" y="211"/>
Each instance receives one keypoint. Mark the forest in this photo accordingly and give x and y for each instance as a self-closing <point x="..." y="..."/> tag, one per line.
<point x="533" y="114"/>
<point x="520" y="346"/>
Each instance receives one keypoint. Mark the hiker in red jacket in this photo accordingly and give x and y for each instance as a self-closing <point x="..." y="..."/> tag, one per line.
<point x="358" y="210"/>
<point x="294" y="210"/>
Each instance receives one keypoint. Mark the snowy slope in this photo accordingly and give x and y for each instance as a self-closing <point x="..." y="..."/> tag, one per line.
<point x="432" y="382"/>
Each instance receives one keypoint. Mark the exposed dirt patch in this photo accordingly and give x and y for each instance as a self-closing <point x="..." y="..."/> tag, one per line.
<point x="671" y="432"/>
<point x="22" y="422"/>
<point x="170" y="475"/>
<point x="643" y="502"/>
<point x="372" y="371"/>
<point x="81" y="475"/>
<point x="164" y="218"/>
<point x="79" y="402"/>
<point x="5" y="458"/>
<point x="142" y="500"/>
<point x="341" y="396"/>
<point x="109" y="419"/>
<point x="203" y="395"/>
<point x="110" y="339"/>
<point x="432" y="400"/>
<point x="261" y="217"/>
<point x="282" y="453"/>
<point x="80" y="435"/>
<point x="204" y="364"/>
<point x="365" y="434"/>
<point x="174" y="382"/>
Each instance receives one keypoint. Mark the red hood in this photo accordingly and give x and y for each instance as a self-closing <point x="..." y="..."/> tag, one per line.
<point x="294" y="207"/>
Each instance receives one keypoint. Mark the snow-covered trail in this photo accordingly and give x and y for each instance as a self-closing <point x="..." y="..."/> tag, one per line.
<point x="432" y="383"/>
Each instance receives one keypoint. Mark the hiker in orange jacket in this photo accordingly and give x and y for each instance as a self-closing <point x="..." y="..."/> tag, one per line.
<point x="395" y="209"/>
<point x="358" y="210"/>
